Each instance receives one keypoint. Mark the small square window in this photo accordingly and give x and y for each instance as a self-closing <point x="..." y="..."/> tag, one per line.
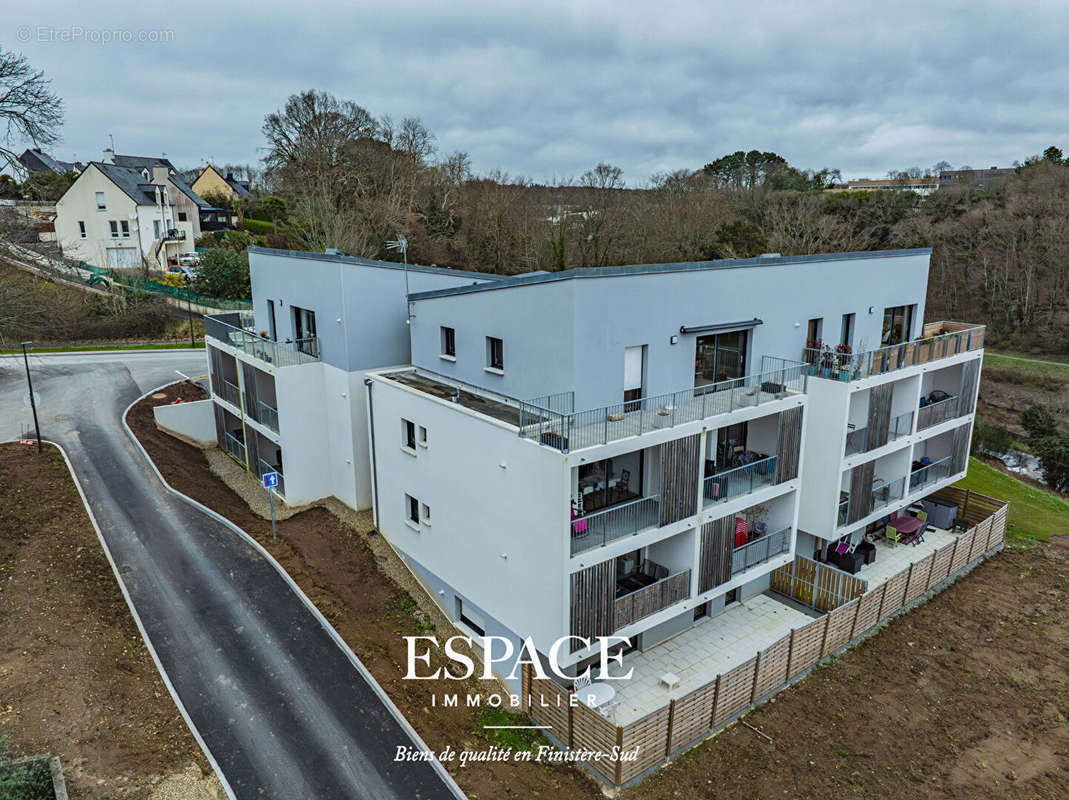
<point x="114" y="225"/>
<point x="426" y="513"/>
<point x="412" y="508"/>
<point x="495" y="353"/>
<point x="125" y="229"/>
<point x="100" y="201"/>
<point x="81" y="228"/>
<point x="181" y="216"/>
<point x="408" y="433"/>
<point x="449" y="342"/>
<point x="422" y="436"/>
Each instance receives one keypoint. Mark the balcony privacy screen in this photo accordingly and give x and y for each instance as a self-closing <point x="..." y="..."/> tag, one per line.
<point x="790" y="444"/>
<point x="714" y="560"/>
<point x="679" y="478"/>
<point x="879" y="415"/>
<point x="970" y="374"/>
<point x="252" y="398"/>
<point x="860" y="491"/>
<point x="959" y="449"/>
<point x="593" y="592"/>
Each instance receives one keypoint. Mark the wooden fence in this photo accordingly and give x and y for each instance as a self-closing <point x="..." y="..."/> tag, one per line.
<point x="684" y="721"/>
<point x="820" y="586"/>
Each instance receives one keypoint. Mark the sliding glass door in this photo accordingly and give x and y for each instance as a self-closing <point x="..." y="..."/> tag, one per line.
<point x="719" y="357"/>
<point x="897" y="324"/>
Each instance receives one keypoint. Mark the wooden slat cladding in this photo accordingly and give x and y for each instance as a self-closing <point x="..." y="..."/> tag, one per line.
<point x="970" y="374"/>
<point x="252" y="395"/>
<point x="959" y="449"/>
<point x="771" y="670"/>
<point x="692" y="716"/>
<point x="679" y="478"/>
<point x="717" y="546"/>
<point x="593" y="592"/>
<point x="860" y="491"/>
<point x="734" y="691"/>
<point x="806" y="644"/>
<point x="879" y="422"/>
<point x="592" y="732"/>
<point x="790" y="444"/>
<point x="650" y="736"/>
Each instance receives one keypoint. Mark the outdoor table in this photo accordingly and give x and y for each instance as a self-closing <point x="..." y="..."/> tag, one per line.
<point x="596" y="694"/>
<point x="906" y="525"/>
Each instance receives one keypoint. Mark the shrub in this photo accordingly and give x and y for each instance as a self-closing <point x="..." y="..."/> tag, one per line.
<point x="990" y="438"/>
<point x="1038" y="422"/>
<point x="258" y="226"/>
<point x="223" y="272"/>
<point x="1053" y="453"/>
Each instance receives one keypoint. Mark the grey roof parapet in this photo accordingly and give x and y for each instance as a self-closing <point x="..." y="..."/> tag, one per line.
<point x="371" y="262"/>
<point x="506" y="282"/>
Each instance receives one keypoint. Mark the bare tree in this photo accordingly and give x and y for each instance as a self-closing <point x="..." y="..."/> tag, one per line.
<point x="29" y="109"/>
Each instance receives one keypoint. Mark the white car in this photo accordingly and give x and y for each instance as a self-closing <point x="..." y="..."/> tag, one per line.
<point x="189" y="260"/>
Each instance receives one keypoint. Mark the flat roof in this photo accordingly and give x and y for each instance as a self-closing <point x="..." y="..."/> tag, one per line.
<point x="503" y="282"/>
<point x="371" y="262"/>
<point x="470" y="398"/>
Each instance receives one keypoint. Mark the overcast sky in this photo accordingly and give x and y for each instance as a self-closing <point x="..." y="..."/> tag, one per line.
<point x="549" y="89"/>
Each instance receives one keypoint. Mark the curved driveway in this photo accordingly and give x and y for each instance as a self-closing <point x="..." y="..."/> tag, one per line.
<point x="279" y="705"/>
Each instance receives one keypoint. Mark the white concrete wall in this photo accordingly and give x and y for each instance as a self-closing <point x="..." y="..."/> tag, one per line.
<point x="498" y="529"/>
<point x="194" y="421"/>
<point x="822" y="456"/>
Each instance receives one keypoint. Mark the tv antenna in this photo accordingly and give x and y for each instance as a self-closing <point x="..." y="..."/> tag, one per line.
<point x="401" y="244"/>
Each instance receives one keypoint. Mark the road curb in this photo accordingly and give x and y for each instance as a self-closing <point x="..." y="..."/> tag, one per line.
<point x="140" y="627"/>
<point x="374" y="684"/>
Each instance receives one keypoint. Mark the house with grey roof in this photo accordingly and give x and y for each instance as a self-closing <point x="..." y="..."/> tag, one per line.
<point x="139" y="212"/>
<point x="36" y="160"/>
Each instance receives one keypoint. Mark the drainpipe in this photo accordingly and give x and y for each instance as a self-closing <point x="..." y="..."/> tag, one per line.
<point x="374" y="462"/>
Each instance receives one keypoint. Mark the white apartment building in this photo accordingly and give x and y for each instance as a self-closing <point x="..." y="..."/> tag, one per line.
<point x="625" y="451"/>
<point x="128" y="211"/>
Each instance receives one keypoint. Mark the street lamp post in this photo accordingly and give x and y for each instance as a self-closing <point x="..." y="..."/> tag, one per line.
<point x="33" y="401"/>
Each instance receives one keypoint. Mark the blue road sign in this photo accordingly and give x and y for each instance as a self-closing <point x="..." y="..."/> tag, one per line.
<point x="270" y="479"/>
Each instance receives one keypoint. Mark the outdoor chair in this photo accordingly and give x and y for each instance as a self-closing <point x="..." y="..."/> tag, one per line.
<point x="582" y="682"/>
<point x="892" y="536"/>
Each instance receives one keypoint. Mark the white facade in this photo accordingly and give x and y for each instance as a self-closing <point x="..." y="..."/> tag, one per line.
<point x="134" y="227"/>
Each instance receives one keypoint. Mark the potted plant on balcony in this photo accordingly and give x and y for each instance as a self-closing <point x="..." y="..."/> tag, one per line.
<point x="842" y="361"/>
<point x="827" y="361"/>
<point x="859" y="359"/>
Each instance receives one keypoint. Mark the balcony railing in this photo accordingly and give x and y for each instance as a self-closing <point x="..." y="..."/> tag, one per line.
<point x="264" y="468"/>
<point x="580" y="429"/>
<point x="740" y="480"/>
<point x="857" y="441"/>
<point x="758" y="551"/>
<point x="601" y="527"/>
<point x="230" y="393"/>
<point x="231" y="329"/>
<point x="234" y="446"/>
<point x="650" y="599"/>
<point x="267" y="415"/>
<point x="930" y="473"/>
<point x="938" y="340"/>
<point x="882" y="495"/>
<point x="934" y="413"/>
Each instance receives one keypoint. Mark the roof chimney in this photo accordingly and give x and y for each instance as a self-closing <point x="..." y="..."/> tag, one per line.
<point x="109" y="156"/>
<point x="159" y="174"/>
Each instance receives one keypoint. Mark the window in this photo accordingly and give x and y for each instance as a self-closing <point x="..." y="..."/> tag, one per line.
<point x="449" y="342"/>
<point x="719" y="357"/>
<point x="125" y="229"/>
<point x="495" y="353"/>
<point x="100" y="201"/>
<point x="731" y="597"/>
<point x="897" y="325"/>
<point x="181" y="216"/>
<point x="470" y="617"/>
<point x="114" y="229"/>
<point x="846" y="332"/>
<point x="304" y="328"/>
<point x="426" y="514"/>
<point x="814" y="332"/>
<point x="81" y="228"/>
<point x="156" y="229"/>
<point x="422" y="436"/>
<point x="412" y="509"/>
<point x="408" y="434"/>
<point x="271" y="320"/>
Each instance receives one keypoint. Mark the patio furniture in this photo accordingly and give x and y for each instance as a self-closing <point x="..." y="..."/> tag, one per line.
<point x="906" y="525"/>
<point x="741" y="532"/>
<point x="851" y="562"/>
<point x="670" y="680"/>
<point x="582" y="681"/>
<point x="596" y="694"/>
<point x="892" y="536"/>
<point x="867" y="551"/>
<point x="653" y="570"/>
<point x="941" y="513"/>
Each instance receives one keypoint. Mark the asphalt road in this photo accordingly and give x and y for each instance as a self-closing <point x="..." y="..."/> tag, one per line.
<point x="279" y="705"/>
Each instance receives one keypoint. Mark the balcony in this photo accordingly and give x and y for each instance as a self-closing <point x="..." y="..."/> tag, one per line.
<point x="576" y="430"/>
<point x="884" y="493"/>
<point x="940" y="411"/>
<point x="601" y="527"/>
<point x="633" y="605"/>
<point x="234" y="446"/>
<point x="236" y="330"/>
<point x="736" y="482"/>
<point x="929" y="473"/>
<point x="229" y="392"/>
<point x="938" y="340"/>
<point x="173" y="235"/>
<point x="857" y="440"/>
<point x="757" y="551"/>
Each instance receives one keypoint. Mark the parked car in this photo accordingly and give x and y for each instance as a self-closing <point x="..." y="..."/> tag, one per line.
<point x="189" y="273"/>
<point x="189" y="260"/>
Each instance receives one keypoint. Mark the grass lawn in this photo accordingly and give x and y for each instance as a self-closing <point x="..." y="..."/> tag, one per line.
<point x="83" y="348"/>
<point x="1027" y="367"/>
<point x="1034" y="513"/>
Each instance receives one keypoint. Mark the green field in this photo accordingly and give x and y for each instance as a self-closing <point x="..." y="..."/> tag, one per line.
<point x="1012" y="361"/>
<point x="85" y="348"/>
<point x="1034" y="514"/>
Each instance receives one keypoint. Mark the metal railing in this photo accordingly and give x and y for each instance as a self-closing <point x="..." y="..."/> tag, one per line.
<point x="930" y="473"/>
<point x="601" y="527"/>
<point x="758" y="551"/>
<point x="268" y="416"/>
<point x="264" y="468"/>
<point x="882" y="495"/>
<point x="609" y="423"/>
<point x="844" y="510"/>
<point x="234" y="446"/>
<point x="740" y="480"/>
<point x="230" y="329"/>
<point x="650" y="599"/>
<point x="939" y="340"/>
<point x="934" y="413"/>
<point x="230" y="393"/>
<point x="857" y="441"/>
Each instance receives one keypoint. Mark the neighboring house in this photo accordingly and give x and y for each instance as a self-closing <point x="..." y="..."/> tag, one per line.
<point x="922" y="186"/>
<point x="976" y="177"/>
<point x="132" y="214"/>
<point x="35" y="160"/>
<point x="211" y="182"/>
<point x="628" y="451"/>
